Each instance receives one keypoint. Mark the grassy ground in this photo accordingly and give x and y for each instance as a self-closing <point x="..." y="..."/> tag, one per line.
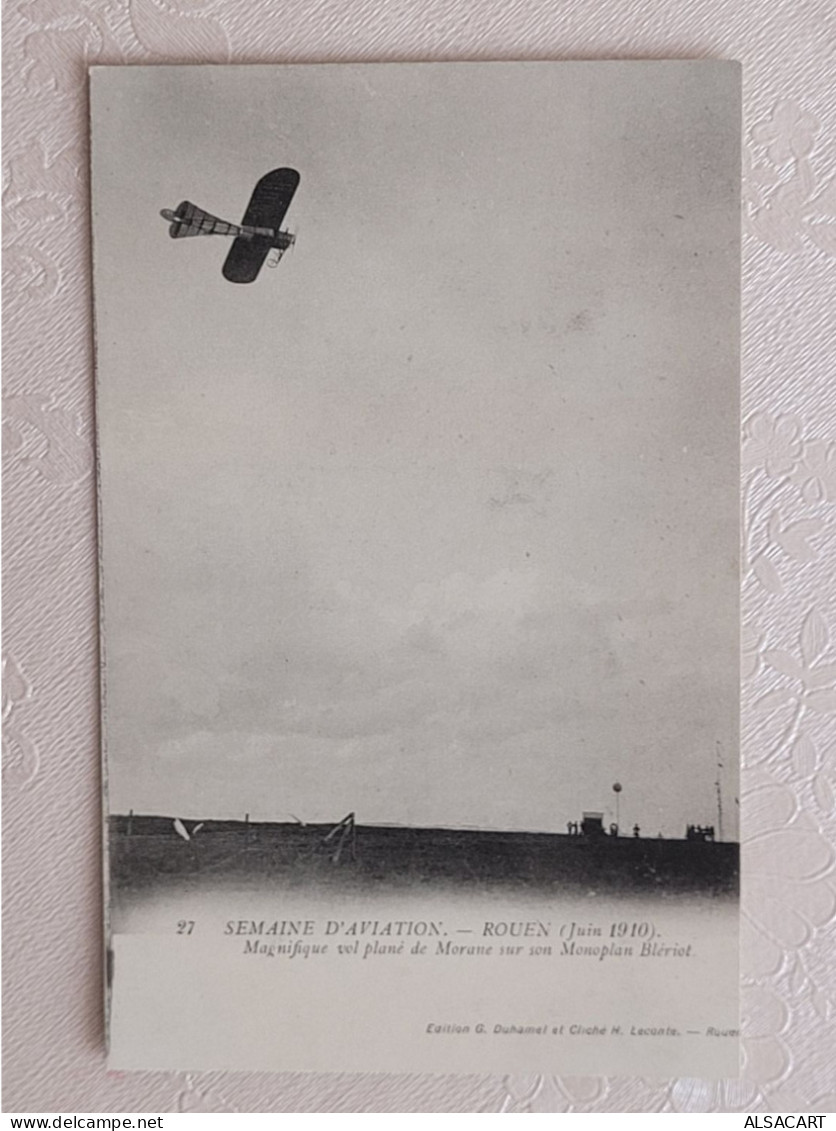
<point x="148" y="852"/>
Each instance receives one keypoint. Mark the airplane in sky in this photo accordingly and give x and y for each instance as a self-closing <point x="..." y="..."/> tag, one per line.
<point x="258" y="235"/>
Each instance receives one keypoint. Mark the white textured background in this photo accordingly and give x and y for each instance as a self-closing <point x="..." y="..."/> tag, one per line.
<point x="53" y="1052"/>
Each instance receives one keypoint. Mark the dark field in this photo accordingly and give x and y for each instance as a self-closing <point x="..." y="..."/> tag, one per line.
<point x="147" y="853"/>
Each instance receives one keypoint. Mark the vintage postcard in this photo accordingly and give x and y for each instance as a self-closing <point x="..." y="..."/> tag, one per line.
<point x="419" y="562"/>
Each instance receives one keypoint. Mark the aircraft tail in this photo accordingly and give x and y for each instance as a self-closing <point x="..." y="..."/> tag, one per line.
<point x="189" y="220"/>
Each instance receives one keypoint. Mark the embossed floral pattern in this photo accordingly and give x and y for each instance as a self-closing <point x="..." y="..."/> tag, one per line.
<point x="816" y="472"/>
<point x="786" y="197"/>
<point x="20" y="755"/>
<point x="772" y="441"/>
<point x="789" y="132"/>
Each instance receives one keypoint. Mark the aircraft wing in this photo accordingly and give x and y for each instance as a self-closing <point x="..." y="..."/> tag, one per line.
<point x="245" y="259"/>
<point x="270" y="201"/>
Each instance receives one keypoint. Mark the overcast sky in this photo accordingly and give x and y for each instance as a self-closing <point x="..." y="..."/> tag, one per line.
<point x="437" y="522"/>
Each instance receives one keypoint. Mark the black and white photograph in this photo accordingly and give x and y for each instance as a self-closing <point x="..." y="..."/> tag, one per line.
<point x="417" y="420"/>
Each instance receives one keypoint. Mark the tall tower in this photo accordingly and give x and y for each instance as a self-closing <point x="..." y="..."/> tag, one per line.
<point x="719" y="796"/>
